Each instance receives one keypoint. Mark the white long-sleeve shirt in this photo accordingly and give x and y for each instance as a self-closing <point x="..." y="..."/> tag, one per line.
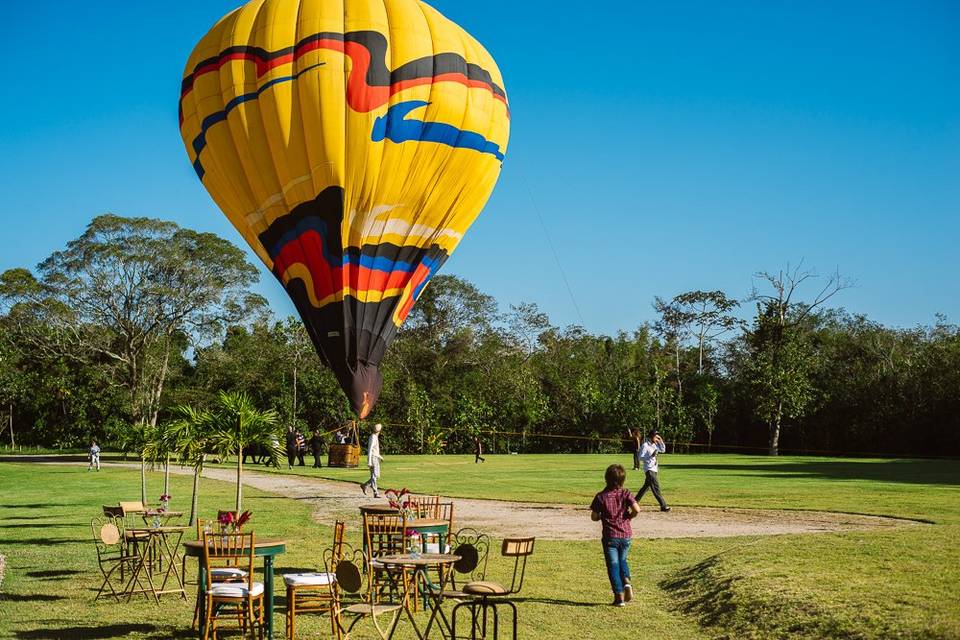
<point x="648" y="453"/>
<point x="373" y="449"/>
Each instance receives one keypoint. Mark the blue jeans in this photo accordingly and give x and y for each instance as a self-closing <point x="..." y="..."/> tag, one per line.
<point x="615" y="552"/>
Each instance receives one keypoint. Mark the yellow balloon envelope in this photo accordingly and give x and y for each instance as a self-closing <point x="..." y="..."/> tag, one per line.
<point x="352" y="143"/>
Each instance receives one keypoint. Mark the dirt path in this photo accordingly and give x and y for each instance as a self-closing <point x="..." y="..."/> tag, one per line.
<point x="331" y="499"/>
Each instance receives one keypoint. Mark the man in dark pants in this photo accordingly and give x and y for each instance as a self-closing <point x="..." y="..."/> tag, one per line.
<point x="291" y="447"/>
<point x="477" y="451"/>
<point x="316" y="447"/>
<point x="652" y="446"/>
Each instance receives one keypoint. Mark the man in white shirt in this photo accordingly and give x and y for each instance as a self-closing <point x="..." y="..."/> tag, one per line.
<point x="648" y="453"/>
<point x="373" y="461"/>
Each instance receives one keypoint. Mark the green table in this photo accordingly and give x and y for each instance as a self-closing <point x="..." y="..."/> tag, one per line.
<point x="264" y="547"/>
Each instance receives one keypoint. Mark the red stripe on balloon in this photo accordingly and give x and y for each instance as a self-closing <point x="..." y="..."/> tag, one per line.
<point x="361" y="96"/>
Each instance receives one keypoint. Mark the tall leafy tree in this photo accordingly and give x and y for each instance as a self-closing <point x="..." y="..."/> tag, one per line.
<point x="124" y="291"/>
<point x="782" y="362"/>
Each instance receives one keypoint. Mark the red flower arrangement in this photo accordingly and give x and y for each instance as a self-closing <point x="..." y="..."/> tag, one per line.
<point x="230" y="520"/>
<point x="399" y="498"/>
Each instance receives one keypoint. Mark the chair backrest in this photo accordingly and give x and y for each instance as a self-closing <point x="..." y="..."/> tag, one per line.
<point x="426" y="506"/>
<point x="202" y="524"/>
<point x="338" y="530"/>
<point x="384" y="534"/>
<point x="353" y="573"/>
<point x="107" y="532"/>
<point x="132" y="507"/>
<point x="229" y="550"/>
<point x="519" y="549"/>
<point x="112" y="512"/>
<point x="472" y="547"/>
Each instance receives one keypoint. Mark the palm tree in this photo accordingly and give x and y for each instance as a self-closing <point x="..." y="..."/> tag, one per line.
<point x="239" y="425"/>
<point x="189" y="437"/>
<point x="160" y="448"/>
<point x="138" y="438"/>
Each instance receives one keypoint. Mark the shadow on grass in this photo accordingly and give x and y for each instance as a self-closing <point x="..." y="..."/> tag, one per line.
<point x="700" y="592"/>
<point x="38" y="525"/>
<point x="28" y="517"/>
<point x="87" y="633"/>
<point x="52" y="573"/>
<point x="33" y="505"/>
<point x="39" y="541"/>
<point x="29" y="597"/>
<point x="946" y="472"/>
<point x="561" y="603"/>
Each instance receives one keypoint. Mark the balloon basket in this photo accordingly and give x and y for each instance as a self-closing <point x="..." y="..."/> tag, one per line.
<point x="344" y="455"/>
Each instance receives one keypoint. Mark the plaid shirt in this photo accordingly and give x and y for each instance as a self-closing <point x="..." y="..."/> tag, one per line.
<point x="612" y="505"/>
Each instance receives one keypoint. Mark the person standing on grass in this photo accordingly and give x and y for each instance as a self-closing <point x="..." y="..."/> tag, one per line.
<point x="94" y="456"/>
<point x="291" y="447"/>
<point x="301" y="443"/>
<point x="633" y="444"/>
<point x="614" y="507"/>
<point x="652" y="446"/>
<point x="373" y="461"/>
<point x="477" y="451"/>
<point x="316" y="447"/>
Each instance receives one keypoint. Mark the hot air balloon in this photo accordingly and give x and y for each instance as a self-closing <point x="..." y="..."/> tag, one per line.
<point x="351" y="143"/>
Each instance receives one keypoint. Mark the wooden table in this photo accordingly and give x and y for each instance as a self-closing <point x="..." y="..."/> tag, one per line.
<point x="267" y="548"/>
<point x="165" y="516"/>
<point x="156" y="546"/>
<point x="397" y="563"/>
<point x="381" y="508"/>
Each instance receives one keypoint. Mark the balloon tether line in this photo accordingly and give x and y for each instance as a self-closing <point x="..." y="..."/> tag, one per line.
<point x="556" y="256"/>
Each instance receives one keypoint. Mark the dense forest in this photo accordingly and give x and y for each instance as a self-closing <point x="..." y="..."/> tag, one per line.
<point x="137" y="317"/>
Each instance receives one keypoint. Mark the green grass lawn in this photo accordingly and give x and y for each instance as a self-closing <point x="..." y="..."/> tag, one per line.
<point x="922" y="489"/>
<point x="893" y="583"/>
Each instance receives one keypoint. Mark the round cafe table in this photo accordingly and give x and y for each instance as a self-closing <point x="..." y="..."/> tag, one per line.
<point x="266" y="548"/>
<point x="380" y="508"/>
<point x="420" y="563"/>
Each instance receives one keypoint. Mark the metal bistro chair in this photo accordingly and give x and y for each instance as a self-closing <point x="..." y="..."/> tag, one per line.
<point x="354" y="597"/>
<point x="112" y="554"/>
<point x="473" y="548"/>
<point x="310" y="592"/>
<point x="242" y="599"/>
<point x="486" y="594"/>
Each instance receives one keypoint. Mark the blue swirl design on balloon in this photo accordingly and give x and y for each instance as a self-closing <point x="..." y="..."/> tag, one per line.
<point x="395" y="126"/>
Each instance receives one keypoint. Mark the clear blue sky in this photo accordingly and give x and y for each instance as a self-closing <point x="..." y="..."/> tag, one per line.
<point x="668" y="146"/>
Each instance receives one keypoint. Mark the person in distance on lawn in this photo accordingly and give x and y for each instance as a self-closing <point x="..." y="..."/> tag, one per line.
<point x="652" y="446"/>
<point x="94" y="456"/>
<point x="614" y="507"/>
<point x="477" y="450"/>
<point x="633" y="443"/>
<point x="373" y="461"/>
<point x="316" y="447"/>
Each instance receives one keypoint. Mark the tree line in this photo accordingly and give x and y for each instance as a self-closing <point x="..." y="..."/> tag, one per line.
<point x="138" y="318"/>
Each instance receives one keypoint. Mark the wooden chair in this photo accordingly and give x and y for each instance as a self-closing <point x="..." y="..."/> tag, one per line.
<point x="488" y="595"/>
<point x="217" y="574"/>
<point x="426" y="506"/>
<point x="353" y="596"/>
<point x="243" y="598"/>
<point x="112" y="554"/>
<point x="434" y="543"/>
<point x="132" y="507"/>
<point x="310" y="592"/>
<point x="383" y="534"/>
